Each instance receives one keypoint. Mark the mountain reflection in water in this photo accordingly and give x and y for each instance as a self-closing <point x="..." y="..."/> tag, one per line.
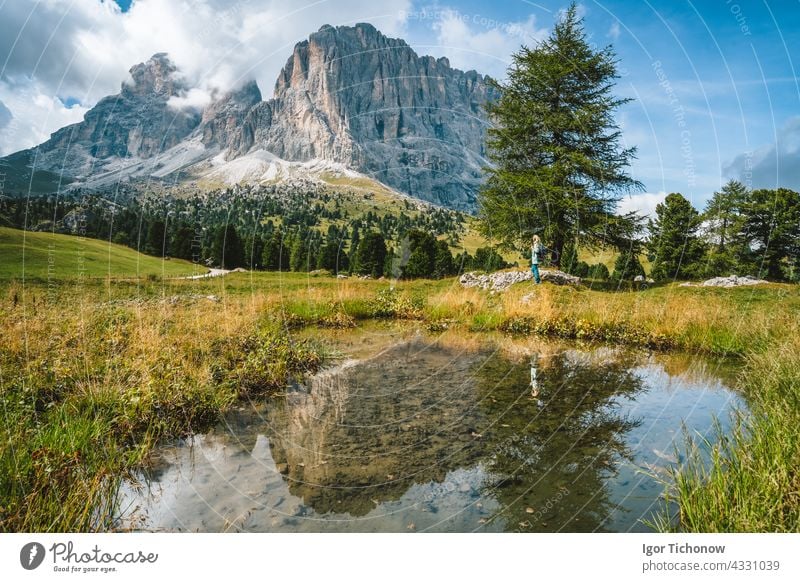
<point x="433" y="436"/>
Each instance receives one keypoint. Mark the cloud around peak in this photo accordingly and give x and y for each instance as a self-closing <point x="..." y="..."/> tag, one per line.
<point x="82" y="50"/>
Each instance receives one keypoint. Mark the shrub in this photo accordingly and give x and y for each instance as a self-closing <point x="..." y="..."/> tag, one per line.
<point x="599" y="272"/>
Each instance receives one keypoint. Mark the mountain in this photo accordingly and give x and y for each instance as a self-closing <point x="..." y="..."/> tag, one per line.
<point x="349" y="100"/>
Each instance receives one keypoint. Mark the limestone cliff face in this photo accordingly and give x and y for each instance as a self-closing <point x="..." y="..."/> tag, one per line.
<point x="222" y="120"/>
<point x="348" y="95"/>
<point x="352" y="95"/>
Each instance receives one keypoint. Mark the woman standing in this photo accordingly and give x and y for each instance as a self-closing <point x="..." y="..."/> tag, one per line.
<point x="536" y="252"/>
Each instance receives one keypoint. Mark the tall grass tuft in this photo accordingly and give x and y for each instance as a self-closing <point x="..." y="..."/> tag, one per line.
<point x="96" y="388"/>
<point x="752" y="483"/>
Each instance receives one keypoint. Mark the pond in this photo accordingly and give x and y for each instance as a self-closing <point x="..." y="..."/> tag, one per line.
<point x="448" y="433"/>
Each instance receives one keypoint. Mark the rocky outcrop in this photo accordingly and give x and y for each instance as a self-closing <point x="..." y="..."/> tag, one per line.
<point x="223" y="120"/>
<point x="504" y="279"/>
<point x="731" y="281"/>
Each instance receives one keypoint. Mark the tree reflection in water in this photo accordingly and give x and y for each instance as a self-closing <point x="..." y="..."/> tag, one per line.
<point x="362" y="435"/>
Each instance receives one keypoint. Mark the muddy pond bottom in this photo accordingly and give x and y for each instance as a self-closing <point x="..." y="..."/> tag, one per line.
<point x="436" y="434"/>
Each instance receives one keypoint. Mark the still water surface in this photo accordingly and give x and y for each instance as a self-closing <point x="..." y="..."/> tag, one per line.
<point x="416" y="433"/>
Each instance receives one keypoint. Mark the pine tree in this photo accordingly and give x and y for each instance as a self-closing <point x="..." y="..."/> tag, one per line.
<point x="559" y="169"/>
<point x="724" y="220"/>
<point x="443" y="262"/>
<point x="723" y="214"/>
<point x="254" y="250"/>
<point x="183" y="243"/>
<point x="331" y="255"/>
<point x="156" y="238"/>
<point x="569" y="262"/>
<point x="772" y="231"/>
<point x="422" y="260"/>
<point x="675" y="246"/>
<point x="488" y="259"/>
<point x="226" y="248"/>
<point x="627" y="266"/>
<point x="370" y="255"/>
<point x="299" y="253"/>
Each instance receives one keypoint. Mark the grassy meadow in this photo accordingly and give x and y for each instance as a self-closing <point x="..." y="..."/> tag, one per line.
<point x="94" y="372"/>
<point x="45" y="255"/>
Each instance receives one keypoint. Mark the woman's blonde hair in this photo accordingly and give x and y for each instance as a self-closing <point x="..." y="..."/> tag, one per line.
<point x="536" y="239"/>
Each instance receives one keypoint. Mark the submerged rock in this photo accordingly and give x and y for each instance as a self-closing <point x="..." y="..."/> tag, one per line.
<point x="504" y="279"/>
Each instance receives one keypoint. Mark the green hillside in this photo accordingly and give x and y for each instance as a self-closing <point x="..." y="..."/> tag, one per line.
<point x="63" y="256"/>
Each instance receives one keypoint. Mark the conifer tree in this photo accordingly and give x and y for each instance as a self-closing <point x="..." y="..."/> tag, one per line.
<point x="558" y="169"/>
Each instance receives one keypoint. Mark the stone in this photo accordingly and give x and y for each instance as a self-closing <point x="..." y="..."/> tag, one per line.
<point x="502" y="280"/>
<point x="731" y="281"/>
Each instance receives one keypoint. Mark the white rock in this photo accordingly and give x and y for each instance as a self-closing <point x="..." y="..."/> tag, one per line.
<point x="732" y="281"/>
<point x="504" y="279"/>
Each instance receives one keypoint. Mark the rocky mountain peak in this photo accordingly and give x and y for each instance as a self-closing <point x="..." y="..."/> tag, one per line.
<point x="356" y="96"/>
<point x="157" y="76"/>
<point x="348" y="95"/>
<point x="223" y="118"/>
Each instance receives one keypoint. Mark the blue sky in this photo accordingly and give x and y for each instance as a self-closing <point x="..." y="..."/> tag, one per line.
<point x="714" y="83"/>
<point x="715" y="86"/>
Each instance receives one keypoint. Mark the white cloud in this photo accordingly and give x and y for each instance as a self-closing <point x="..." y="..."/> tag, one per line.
<point x="472" y="41"/>
<point x="614" y="31"/>
<point x="645" y="203"/>
<point x="5" y="115"/>
<point x="82" y="49"/>
<point x="35" y="116"/>
<point x="774" y="165"/>
<point x="193" y="99"/>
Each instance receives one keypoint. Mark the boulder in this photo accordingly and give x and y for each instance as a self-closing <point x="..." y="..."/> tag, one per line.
<point x="502" y="280"/>
<point x="731" y="281"/>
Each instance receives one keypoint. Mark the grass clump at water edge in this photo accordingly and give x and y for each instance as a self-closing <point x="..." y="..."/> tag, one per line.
<point x="751" y="483"/>
<point x="75" y="424"/>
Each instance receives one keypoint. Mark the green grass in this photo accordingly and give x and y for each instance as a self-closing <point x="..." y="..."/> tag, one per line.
<point x="753" y="481"/>
<point x="42" y="255"/>
<point x="98" y="389"/>
<point x="92" y="377"/>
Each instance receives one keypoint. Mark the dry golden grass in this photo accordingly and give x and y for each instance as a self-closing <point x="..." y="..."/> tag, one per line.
<point x="96" y="369"/>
